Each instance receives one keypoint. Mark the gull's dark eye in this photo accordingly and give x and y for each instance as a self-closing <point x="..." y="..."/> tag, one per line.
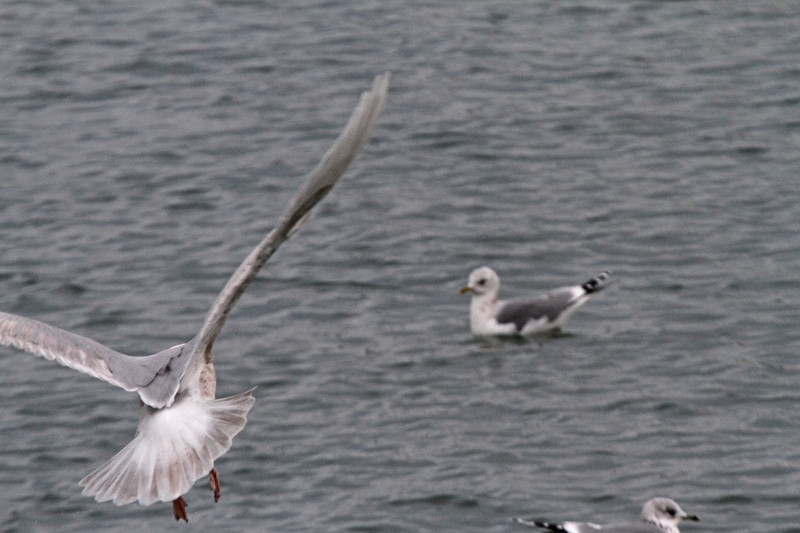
<point x="671" y="511"/>
<point x="482" y="281"/>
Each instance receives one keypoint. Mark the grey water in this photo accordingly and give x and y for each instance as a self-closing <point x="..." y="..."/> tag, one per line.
<point x="145" y="147"/>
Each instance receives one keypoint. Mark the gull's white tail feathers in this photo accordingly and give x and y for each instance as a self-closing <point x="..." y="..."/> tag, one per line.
<point x="172" y="449"/>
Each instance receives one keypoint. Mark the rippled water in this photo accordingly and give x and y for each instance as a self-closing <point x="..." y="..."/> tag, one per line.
<point x="147" y="146"/>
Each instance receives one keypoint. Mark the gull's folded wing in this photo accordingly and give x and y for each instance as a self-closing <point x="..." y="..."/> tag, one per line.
<point x="521" y="310"/>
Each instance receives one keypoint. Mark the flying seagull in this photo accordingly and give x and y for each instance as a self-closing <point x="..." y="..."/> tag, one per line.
<point x="523" y="316"/>
<point x="183" y="428"/>
<point x="659" y="515"/>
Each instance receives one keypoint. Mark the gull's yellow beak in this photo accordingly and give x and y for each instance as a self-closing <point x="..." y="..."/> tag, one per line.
<point x="464" y="289"/>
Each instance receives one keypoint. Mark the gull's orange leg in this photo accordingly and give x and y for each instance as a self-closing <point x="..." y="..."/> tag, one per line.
<point x="213" y="482"/>
<point x="179" y="508"/>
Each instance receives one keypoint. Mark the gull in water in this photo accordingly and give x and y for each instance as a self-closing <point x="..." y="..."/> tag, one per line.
<point x="659" y="515"/>
<point x="183" y="428"/>
<point x="523" y="316"/>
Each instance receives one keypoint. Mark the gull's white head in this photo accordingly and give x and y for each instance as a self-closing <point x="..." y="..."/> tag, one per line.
<point x="481" y="281"/>
<point x="666" y="514"/>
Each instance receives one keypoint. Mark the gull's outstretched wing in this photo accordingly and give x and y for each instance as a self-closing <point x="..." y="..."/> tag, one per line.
<point x="138" y="374"/>
<point x="347" y="146"/>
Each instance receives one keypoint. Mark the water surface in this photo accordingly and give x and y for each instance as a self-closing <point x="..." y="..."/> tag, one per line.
<point x="147" y="146"/>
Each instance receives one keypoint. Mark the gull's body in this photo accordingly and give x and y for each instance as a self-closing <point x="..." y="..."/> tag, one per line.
<point x="488" y="315"/>
<point x="183" y="429"/>
<point x="659" y="515"/>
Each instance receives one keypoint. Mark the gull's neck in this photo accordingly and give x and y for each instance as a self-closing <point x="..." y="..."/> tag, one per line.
<point x="665" y="526"/>
<point x="482" y="310"/>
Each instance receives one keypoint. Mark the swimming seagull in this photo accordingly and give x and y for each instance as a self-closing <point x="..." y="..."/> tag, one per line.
<point x="659" y="515"/>
<point x="523" y="316"/>
<point x="183" y="429"/>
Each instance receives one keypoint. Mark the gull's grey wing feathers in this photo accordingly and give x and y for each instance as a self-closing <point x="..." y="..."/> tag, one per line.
<point x="588" y="527"/>
<point x="628" y="527"/>
<point x="520" y="311"/>
<point x="67" y="348"/>
<point x="347" y="146"/>
<point x="638" y="527"/>
<point x="155" y="377"/>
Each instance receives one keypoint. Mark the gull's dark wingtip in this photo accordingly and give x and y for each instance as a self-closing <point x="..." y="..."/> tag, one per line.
<point x="597" y="283"/>
<point x="543" y="525"/>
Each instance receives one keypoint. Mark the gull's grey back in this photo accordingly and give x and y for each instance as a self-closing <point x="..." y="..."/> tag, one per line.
<point x="521" y="310"/>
